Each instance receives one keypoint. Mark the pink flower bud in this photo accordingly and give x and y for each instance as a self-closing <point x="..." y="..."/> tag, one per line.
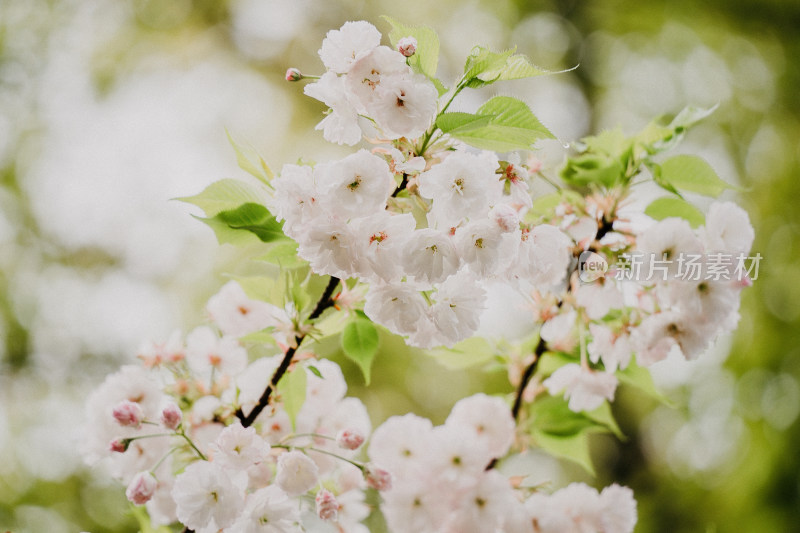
<point x="141" y="488"/>
<point x="349" y="439"/>
<point x="407" y="46"/>
<point x="128" y="413"/>
<point x="119" y="445"/>
<point x="327" y="506"/>
<point x="377" y="478"/>
<point x="171" y="416"/>
<point x="293" y="74"/>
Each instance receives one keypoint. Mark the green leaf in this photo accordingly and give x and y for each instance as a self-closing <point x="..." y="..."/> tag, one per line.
<point x="283" y="254"/>
<point x="544" y="205"/>
<point x="590" y="168"/>
<point x="512" y="126"/>
<point x="639" y="377"/>
<point x="667" y="207"/>
<point x="426" y="58"/>
<point x="245" y="158"/>
<point x="314" y="370"/>
<point x="254" y="218"/>
<point x="483" y="60"/>
<point x="513" y="113"/>
<point x="573" y="447"/>
<point x="467" y="353"/>
<point x="227" y="235"/>
<point x="549" y="362"/>
<point x="330" y="324"/>
<point x="689" y="116"/>
<point x="263" y="288"/>
<point x="516" y="67"/>
<point x="448" y="122"/>
<point x="655" y="170"/>
<point x="603" y="416"/>
<point x="265" y="336"/>
<point x="225" y="195"/>
<point x="484" y="67"/>
<point x="360" y="344"/>
<point x="552" y="415"/>
<point x="694" y="174"/>
<point x="609" y="142"/>
<point x="292" y="389"/>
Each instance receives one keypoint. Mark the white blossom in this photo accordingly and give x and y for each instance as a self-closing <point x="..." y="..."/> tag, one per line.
<point x="367" y="73"/>
<point x="585" y="389"/>
<point x="404" y="105"/>
<point x="544" y="255"/>
<point x="206" y="351"/>
<point x="342" y="47"/>
<point x="727" y="229"/>
<point x="268" y="510"/>
<point x="341" y="125"/>
<point x="236" y="314"/>
<point x="381" y="242"/>
<point x="398" y="306"/>
<point x="614" y="349"/>
<point x="356" y="186"/>
<point x="430" y="256"/>
<point x="463" y="186"/>
<point x="206" y="498"/>
<point x="489" y="418"/>
<point x="297" y="473"/>
<point x="238" y="447"/>
<point x="457" y="311"/>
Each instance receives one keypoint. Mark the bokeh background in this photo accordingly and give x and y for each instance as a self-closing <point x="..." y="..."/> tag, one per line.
<point x="110" y="108"/>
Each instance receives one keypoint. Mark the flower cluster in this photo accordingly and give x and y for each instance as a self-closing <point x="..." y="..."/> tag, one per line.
<point x="458" y="221"/>
<point x="650" y="316"/>
<point x="367" y="79"/>
<point x="441" y="482"/>
<point x="168" y="429"/>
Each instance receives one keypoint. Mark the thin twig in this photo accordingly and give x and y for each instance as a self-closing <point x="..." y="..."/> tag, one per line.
<point x="324" y="302"/>
<point x="526" y="378"/>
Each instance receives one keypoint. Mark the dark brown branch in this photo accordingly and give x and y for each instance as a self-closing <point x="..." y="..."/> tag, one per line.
<point x="402" y="185"/>
<point x="324" y="302"/>
<point x="526" y="378"/>
<point x="530" y="370"/>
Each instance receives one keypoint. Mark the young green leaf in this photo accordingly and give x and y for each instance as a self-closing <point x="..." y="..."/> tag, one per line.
<point x="641" y="378"/>
<point x="265" y="336"/>
<point x="227" y="235"/>
<point x="573" y="447"/>
<point x="292" y="390"/>
<point x="314" y="370"/>
<point x="225" y="195"/>
<point x="551" y="415"/>
<point x="516" y="67"/>
<point x="666" y="207"/>
<point x="467" y="353"/>
<point x="360" y="344"/>
<point x="603" y="416"/>
<point x="483" y="60"/>
<point x="254" y="218"/>
<point x="693" y="174"/>
<point x="283" y="254"/>
<point x="426" y="58"/>
<point x="513" y="113"/>
<point x="245" y="158"/>
<point x="448" y="122"/>
<point x="512" y="126"/>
